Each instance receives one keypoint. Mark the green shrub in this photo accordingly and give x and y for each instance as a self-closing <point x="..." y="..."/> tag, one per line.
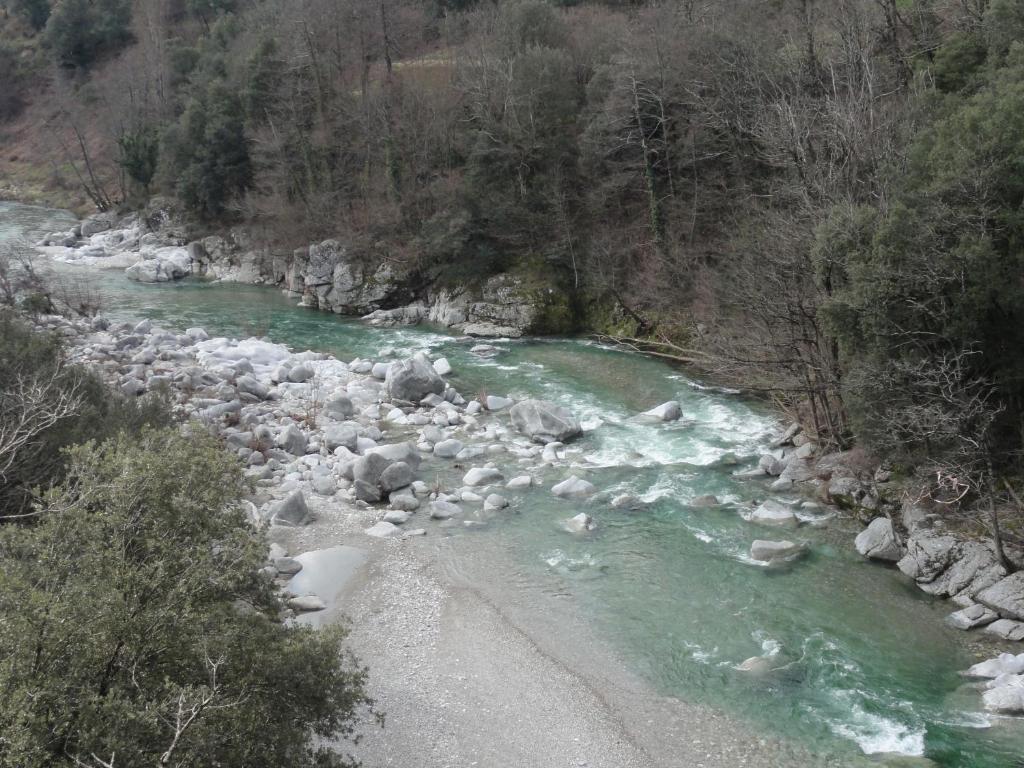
<point x="135" y="623"/>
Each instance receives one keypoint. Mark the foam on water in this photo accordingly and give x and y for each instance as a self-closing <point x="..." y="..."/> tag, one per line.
<point x="876" y="734"/>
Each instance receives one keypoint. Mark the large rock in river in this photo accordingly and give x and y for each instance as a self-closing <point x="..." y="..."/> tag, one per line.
<point x="775" y="551"/>
<point x="878" y="541"/>
<point x="773" y="513"/>
<point x="545" y="422"/>
<point x="413" y="379"/>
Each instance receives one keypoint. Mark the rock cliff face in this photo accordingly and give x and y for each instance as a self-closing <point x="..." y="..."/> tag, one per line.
<point x="325" y="275"/>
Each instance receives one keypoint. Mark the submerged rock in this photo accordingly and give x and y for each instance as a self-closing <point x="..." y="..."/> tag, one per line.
<point x="775" y="551"/>
<point x="705" y="501"/>
<point x="581" y="523"/>
<point x="544" y="421"/>
<point x="773" y="513"/>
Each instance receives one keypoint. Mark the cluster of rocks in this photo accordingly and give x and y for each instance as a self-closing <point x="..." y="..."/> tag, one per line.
<point x="946" y="564"/>
<point x="940" y="562"/>
<point x="152" y="248"/>
<point x="313" y="430"/>
<point x="1003" y="691"/>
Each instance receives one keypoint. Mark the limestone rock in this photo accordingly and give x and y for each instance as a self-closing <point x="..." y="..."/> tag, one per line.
<point x="447" y="449"/>
<point x="291" y="511"/>
<point x="573" y="487"/>
<point x="970" y="617"/>
<point x="495" y="501"/>
<point x="340" y="435"/>
<point x="1006" y="597"/>
<point x="1003" y="664"/>
<point x="292" y="440"/>
<point x="443" y="510"/>
<point x="397" y="475"/>
<point x="482" y="476"/>
<point x="495" y="403"/>
<point x="252" y="386"/>
<point x="927" y="556"/>
<point x="364" y="491"/>
<point x="775" y="551"/>
<point x="773" y="513"/>
<point x="544" y="421"/>
<point x="413" y="379"/>
<point x="406" y="452"/>
<point x="287" y="566"/>
<point x="878" y="542"/>
<point x="369" y="468"/>
<point x="339" y="408"/>
<point x="1006" y="698"/>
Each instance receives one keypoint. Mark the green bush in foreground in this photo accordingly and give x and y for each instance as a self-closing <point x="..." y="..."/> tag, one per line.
<point x="136" y="629"/>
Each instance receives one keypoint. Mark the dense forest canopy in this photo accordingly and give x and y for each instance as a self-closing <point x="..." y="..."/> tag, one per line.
<point x="820" y="200"/>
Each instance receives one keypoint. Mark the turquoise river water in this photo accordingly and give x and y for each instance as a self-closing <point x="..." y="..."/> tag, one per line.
<point x="868" y="667"/>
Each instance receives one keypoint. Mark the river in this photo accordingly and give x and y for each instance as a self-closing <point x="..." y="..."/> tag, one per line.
<point x="864" y="663"/>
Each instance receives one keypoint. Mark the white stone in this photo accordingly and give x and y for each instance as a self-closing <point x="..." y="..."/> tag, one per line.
<point x="773" y="513"/>
<point x="775" y="551"/>
<point x="670" y="411"/>
<point x="495" y="403"/>
<point x="573" y="487"/>
<point x="482" y="476"/>
<point x="1003" y="664"/>
<point x="581" y="523"/>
